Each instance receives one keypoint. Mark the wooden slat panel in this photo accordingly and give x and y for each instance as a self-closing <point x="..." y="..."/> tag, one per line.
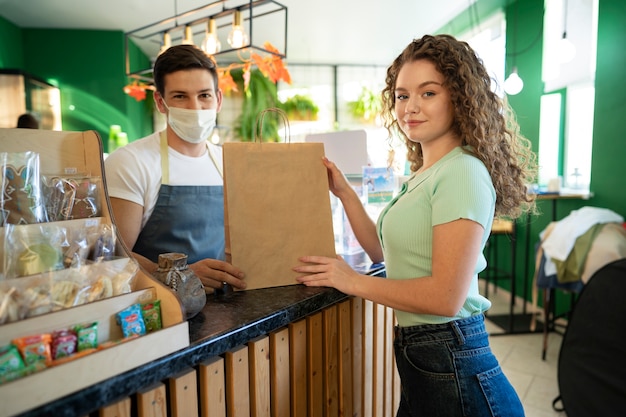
<point x="331" y="362"/>
<point x="237" y="382"/>
<point x="184" y="394"/>
<point x="118" y="409"/>
<point x="368" y="358"/>
<point x="152" y="401"/>
<point x="315" y="365"/>
<point x="297" y="368"/>
<point x="357" y="356"/>
<point x="346" y="388"/>
<point x="279" y="348"/>
<point x="379" y="359"/>
<point x="212" y="388"/>
<point x="259" y="357"/>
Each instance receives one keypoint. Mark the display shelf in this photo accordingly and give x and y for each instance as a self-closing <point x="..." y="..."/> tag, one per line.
<point x="82" y="153"/>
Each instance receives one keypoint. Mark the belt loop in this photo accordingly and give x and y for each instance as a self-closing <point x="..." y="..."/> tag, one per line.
<point x="458" y="332"/>
<point x="398" y="334"/>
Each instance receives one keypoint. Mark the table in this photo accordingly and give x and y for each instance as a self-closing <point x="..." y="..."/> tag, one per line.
<point x="554" y="197"/>
<point x="520" y="323"/>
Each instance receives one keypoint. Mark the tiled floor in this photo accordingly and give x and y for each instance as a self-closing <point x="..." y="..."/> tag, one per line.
<point x="534" y="379"/>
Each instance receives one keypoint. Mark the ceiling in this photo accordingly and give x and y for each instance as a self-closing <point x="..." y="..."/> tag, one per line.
<point x="368" y="32"/>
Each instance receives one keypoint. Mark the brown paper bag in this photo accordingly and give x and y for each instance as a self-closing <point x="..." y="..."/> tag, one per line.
<point x="276" y="209"/>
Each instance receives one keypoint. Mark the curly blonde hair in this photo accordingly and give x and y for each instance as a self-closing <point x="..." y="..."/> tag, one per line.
<point x="486" y="123"/>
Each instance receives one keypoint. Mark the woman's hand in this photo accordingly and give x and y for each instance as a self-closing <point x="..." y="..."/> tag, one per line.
<point x="215" y="273"/>
<point x="322" y="271"/>
<point x="337" y="182"/>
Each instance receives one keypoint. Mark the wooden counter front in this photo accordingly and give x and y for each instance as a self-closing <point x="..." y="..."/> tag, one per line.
<point x="311" y="351"/>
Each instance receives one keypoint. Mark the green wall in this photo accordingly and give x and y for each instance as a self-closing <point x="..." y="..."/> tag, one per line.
<point x="11" y="55"/>
<point x="88" y="66"/>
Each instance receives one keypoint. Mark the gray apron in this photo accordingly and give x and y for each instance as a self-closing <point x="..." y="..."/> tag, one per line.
<point x="187" y="218"/>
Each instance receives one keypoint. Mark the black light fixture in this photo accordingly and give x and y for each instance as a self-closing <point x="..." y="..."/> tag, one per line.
<point x="567" y="50"/>
<point x="207" y="20"/>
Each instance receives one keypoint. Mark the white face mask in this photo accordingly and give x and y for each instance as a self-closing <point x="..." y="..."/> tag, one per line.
<point x="192" y="125"/>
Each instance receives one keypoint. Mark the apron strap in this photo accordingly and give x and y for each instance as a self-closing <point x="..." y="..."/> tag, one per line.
<point x="165" y="166"/>
<point x="165" y="163"/>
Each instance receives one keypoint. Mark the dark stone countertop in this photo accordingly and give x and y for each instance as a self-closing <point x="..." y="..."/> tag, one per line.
<point x="228" y="320"/>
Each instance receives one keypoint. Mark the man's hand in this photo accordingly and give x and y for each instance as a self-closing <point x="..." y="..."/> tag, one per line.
<point x="214" y="274"/>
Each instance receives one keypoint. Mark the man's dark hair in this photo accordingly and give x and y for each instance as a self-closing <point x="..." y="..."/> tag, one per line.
<point x="182" y="57"/>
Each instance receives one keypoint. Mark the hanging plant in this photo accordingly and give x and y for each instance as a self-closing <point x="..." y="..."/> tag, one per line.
<point x="261" y="94"/>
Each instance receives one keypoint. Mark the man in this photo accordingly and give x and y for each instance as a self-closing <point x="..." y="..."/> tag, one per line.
<point x="166" y="190"/>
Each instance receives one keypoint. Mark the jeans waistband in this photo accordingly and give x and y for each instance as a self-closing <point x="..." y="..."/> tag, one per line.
<point x="455" y="329"/>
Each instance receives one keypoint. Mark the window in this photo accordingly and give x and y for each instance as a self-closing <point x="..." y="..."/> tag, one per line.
<point x="566" y="132"/>
<point x="488" y="40"/>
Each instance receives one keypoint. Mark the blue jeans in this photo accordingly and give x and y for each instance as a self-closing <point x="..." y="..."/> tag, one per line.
<point x="449" y="370"/>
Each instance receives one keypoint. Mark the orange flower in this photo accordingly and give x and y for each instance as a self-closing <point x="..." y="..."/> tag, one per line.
<point x="136" y="91"/>
<point x="246" y="75"/>
<point x="226" y="82"/>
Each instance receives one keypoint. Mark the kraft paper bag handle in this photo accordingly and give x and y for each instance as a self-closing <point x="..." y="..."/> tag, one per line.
<point x="259" y="124"/>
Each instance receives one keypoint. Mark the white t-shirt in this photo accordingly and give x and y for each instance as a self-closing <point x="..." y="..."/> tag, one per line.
<point x="133" y="172"/>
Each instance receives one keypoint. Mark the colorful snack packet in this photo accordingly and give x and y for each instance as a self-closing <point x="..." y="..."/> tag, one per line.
<point x="63" y="344"/>
<point x="10" y="362"/>
<point x="131" y="321"/>
<point x="87" y="336"/>
<point x="152" y="315"/>
<point x="35" y="348"/>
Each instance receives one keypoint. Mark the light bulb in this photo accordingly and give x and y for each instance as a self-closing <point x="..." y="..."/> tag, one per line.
<point x="514" y="84"/>
<point x="211" y="44"/>
<point x="567" y="50"/>
<point x="167" y="42"/>
<point x="188" y="39"/>
<point x="237" y="38"/>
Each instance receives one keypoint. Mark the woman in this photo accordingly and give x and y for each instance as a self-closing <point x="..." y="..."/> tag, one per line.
<point x="469" y="163"/>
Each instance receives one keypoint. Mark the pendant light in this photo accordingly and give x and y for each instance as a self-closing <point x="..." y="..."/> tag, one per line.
<point x="513" y="84"/>
<point x="188" y="38"/>
<point x="167" y="42"/>
<point x="237" y="38"/>
<point x="211" y="44"/>
<point x="567" y="50"/>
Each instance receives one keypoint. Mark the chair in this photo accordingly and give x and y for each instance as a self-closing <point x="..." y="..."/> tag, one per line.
<point x="609" y="244"/>
<point x="592" y="359"/>
<point x="501" y="229"/>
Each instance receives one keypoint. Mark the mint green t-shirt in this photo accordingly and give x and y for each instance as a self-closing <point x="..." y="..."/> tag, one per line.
<point x="458" y="186"/>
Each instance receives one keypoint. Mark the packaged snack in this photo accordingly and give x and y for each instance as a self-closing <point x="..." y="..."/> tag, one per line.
<point x="86" y="336"/>
<point x="10" y="360"/>
<point x="63" y="344"/>
<point x="21" y="199"/>
<point x="152" y="315"/>
<point x="131" y="321"/>
<point x="35" y="348"/>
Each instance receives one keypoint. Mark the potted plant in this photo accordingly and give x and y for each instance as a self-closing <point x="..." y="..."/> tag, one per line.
<point x="367" y="106"/>
<point x="300" y="107"/>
